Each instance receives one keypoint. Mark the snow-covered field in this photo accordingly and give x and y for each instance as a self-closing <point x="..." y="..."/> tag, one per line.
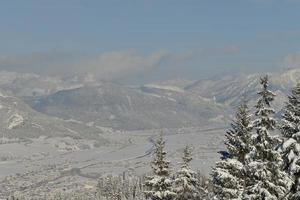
<point x="50" y="164"/>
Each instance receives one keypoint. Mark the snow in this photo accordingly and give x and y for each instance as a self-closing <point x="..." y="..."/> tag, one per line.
<point x="267" y="178"/>
<point x="2" y="95"/>
<point x="129" y="101"/>
<point x="291" y="155"/>
<point x="155" y="95"/>
<point x="165" y="87"/>
<point x="74" y="121"/>
<point x="15" y="121"/>
<point x="38" y="126"/>
<point x="288" y="143"/>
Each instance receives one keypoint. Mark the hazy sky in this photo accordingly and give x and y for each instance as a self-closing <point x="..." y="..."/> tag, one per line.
<point x="149" y="39"/>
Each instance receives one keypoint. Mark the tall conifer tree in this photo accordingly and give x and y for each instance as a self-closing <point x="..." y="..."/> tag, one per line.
<point x="290" y="148"/>
<point x="187" y="186"/>
<point x="160" y="184"/>
<point x="265" y="178"/>
<point x="228" y="175"/>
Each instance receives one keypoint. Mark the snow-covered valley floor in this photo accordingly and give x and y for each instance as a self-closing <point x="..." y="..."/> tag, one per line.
<point x="45" y="164"/>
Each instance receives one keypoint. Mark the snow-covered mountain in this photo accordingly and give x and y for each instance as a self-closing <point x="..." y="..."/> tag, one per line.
<point x="27" y="85"/>
<point x="231" y="90"/>
<point x="167" y="104"/>
<point x="131" y="108"/>
<point x="19" y="120"/>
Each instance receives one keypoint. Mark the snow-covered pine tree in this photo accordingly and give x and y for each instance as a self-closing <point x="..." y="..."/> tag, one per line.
<point x="187" y="186"/>
<point x="228" y="175"/>
<point x="160" y="184"/>
<point x="265" y="178"/>
<point x="290" y="148"/>
<point x="239" y="136"/>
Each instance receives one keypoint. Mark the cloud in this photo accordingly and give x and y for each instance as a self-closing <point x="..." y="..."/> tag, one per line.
<point x="107" y="65"/>
<point x="111" y="65"/>
<point x="116" y="64"/>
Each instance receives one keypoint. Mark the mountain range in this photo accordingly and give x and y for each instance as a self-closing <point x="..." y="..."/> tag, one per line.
<point x="36" y="102"/>
<point x="67" y="132"/>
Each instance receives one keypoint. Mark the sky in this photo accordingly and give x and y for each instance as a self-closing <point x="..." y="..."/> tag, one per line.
<point x="149" y="40"/>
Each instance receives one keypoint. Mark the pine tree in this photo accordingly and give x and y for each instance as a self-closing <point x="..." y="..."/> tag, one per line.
<point x="160" y="185"/>
<point x="265" y="178"/>
<point x="291" y="146"/>
<point x="186" y="182"/>
<point x="228" y="175"/>
<point x="239" y="136"/>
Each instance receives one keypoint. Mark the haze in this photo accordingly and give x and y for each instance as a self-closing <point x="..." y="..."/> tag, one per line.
<point x="144" y="41"/>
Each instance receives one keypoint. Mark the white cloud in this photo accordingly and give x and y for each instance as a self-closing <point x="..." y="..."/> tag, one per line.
<point x="109" y="65"/>
<point x="124" y="63"/>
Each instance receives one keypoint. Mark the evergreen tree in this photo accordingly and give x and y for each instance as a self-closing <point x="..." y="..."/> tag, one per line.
<point x="291" y="146"/>
<point x="239" y="136"/>
<point x="186" y="182"/>
<point x="160" y="185"/>
<point x="265" y="178"/>
<point x="228" y="175"/>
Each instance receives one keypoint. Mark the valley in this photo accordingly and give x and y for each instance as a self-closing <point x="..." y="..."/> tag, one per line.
<point x="64" y="134"/>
